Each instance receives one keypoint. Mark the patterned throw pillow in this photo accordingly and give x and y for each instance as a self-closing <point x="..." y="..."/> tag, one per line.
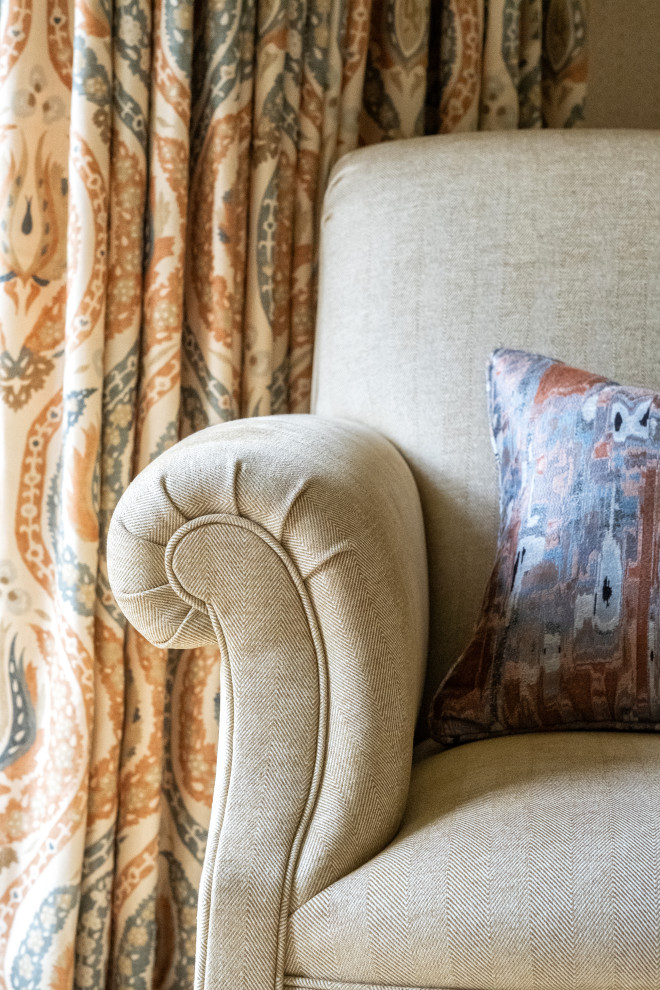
<point x="569" y="633"/>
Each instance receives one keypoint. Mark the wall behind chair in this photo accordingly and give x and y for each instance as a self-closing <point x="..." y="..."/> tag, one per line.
<point x="624" y="64"/>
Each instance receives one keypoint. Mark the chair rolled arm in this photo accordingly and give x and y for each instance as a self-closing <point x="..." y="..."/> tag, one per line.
<point x="296" y="543"/>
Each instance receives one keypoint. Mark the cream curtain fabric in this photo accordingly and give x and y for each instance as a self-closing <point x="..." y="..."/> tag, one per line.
<point x="162" y="166"/>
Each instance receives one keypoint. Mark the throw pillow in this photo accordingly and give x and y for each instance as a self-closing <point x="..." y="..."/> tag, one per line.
<point x="569" y="632"/>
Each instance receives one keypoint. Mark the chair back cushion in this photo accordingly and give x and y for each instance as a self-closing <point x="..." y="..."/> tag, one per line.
<point x="435" y="251"/>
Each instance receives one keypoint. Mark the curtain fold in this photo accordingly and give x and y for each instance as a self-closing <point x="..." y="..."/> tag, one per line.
<point x="162" y="170"/>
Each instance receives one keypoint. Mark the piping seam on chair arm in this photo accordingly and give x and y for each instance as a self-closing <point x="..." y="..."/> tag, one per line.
<point x="242" y="522"/>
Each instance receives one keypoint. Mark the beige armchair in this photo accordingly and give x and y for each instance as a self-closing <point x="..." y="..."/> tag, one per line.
<point x="303" y="546"/>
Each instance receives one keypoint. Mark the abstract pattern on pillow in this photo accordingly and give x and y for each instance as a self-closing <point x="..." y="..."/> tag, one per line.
<point x="569" y="632"/>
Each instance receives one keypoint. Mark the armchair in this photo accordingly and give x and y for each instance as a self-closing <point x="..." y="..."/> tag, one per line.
<point x="303" y="546"/>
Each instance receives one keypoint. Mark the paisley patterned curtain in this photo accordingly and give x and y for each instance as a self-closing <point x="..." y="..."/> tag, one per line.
<point x="162" y="165"/>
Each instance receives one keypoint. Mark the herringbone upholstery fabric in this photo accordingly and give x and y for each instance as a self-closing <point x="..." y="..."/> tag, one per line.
<point x="298" y="543"/>
<point x="524" y="863"/>
<point x="435" y="252"/>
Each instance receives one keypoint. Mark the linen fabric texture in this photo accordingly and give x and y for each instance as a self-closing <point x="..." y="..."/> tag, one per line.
<point x="569" y="632"/>
<point x="544" y="242"/>
<point x="549" y="242"/>
<point x="297" y="544"/>
<point x="527" y="862"/>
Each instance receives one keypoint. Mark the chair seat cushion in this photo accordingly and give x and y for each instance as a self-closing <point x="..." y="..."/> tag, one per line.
<point x="523" y="863"/>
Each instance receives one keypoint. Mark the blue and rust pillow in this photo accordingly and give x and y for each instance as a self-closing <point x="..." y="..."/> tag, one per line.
<point x="569" y="633"/>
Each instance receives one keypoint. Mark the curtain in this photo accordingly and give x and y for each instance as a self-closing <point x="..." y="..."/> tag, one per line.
<point x="162" y="166"/>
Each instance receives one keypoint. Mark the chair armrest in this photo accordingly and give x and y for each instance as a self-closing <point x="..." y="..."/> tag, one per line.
<point x="298" y="544"/>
